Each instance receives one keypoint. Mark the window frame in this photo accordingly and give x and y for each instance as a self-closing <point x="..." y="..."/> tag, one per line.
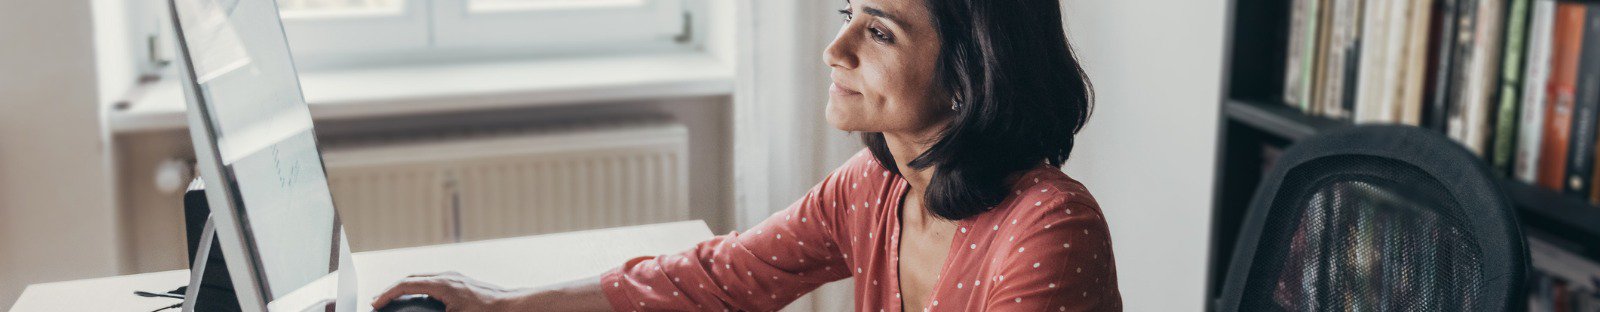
<point x="332" y="33"/>
<point x="412" y="37"/>
<point x="456" y="25"/>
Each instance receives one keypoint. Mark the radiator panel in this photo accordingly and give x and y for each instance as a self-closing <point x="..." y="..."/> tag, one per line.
<point x="476" y="187"/>
<point x="393" y="206"/>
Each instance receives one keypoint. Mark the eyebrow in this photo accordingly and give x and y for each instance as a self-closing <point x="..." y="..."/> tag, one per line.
<point x="881" y="14"/>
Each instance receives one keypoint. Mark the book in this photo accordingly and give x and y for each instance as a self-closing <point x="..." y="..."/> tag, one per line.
<point x="1383" y="43"/>
<point x="1394" y="57"/>
<point x="1510" y="80"/>
<point x="1345" y="107"/>
<point x="1535" y="78"/>
<point x="1460" y="79"/>
<point x="1319" y="63"/>
<point x="1415" y="77"/>
<point x="1343" y="19"/>
<point x="1555" y="270"/>
<point x="1301" y="21"/>
<point x="1308" y="69"/>
<point x="1443" y="38"/>
<point x="1368" y="88"/>
<point x="1586" y="108"/>
<point x="1484" y="71"/>
<point x="1566" y="47"/>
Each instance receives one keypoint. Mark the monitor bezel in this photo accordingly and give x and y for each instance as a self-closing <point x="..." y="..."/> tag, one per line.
<point x="231" y="225"/>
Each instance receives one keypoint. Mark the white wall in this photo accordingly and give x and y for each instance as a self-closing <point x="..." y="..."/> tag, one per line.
<point x="782" y="144"/>
<point x="56" y="216"/>
<point x="1147" y="153"/>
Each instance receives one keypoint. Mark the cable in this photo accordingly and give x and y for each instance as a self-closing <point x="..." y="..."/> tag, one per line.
<point x="175" y="306"/>
<point x="147" y="294"/>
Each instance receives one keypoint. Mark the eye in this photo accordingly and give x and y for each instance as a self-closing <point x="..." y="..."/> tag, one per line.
<point x="846" y="15"/>
<point x="879" y="35"/>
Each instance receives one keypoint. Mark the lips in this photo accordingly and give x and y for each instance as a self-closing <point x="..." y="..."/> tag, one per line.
<point x="837" y="89"/>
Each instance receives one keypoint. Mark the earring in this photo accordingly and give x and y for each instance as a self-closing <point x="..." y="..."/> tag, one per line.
<point x="955" y="104"/>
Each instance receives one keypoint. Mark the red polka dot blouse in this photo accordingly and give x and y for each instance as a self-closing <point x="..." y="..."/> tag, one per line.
<point x="1045" y="248"/>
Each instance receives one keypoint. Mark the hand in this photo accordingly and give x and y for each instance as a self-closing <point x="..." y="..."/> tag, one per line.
<point x="458" y="292"/>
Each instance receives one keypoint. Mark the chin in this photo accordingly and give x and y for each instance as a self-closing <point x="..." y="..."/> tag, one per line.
<point x="837" y="118"/>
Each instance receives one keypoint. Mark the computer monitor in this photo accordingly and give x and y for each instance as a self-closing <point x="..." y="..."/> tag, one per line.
<point x="271" y="210"/>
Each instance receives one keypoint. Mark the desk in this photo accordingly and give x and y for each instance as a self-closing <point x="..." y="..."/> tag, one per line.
<point x="513" y="262"/>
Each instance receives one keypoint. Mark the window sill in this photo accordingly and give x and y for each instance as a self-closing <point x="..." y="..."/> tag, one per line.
<point x="354" y="94"/>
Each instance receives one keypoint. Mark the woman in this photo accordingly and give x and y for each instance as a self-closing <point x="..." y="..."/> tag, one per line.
<point x="968" y="109"/>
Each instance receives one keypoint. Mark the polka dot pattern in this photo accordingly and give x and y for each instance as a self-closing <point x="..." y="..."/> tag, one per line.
<point x="1045" y="248"/>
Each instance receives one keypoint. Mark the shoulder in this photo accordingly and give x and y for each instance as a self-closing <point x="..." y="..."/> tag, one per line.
<point x="1043" y="189"/>
<point x="1046" y="202"/>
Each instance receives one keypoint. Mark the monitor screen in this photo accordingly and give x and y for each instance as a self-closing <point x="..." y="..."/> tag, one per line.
<point x="241" y="73"/>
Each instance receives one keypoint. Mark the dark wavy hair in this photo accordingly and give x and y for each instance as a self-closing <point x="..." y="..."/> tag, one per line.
<point x="1023" y="96"/>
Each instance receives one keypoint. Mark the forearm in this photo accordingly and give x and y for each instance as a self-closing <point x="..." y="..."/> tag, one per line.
<point x="582" y="295"/>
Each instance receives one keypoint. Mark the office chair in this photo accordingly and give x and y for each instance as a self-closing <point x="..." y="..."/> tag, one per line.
<point x="1378" y="218"/>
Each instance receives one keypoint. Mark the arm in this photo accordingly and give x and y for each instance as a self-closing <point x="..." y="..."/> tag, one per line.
<point x="581" y="295"/>
<point x="788" y="255"/>
<point x="784" y="257"/>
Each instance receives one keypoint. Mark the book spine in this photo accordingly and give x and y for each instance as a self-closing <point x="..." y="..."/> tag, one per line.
<point x="1443" y="39"/>
<point x="1461" y="72"/>
<point x="1308" y="67"/>
<point x="1338" y="46"/>
<point x="1485" y="72"/>
<point x="1355" y="21"/>
<point x="1323" y="52"/>
<point x="1587" y="108"/>
<point x="1535" y="79"/>
<point x="1352" y="77"/>
<point x="1366" y="108"/>
<point x="1292" y="85"/>
<point x="1394" y="56"/>
<point x="1416" y="62"/>
<point x="1566" y="47"/>
<point x="1510" y="79"/>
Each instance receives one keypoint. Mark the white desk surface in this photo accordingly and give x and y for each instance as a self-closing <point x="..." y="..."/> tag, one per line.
<point x="513" y="262"/>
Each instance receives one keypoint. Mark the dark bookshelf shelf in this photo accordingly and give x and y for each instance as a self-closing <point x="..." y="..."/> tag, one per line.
<point x="1546" y="206"/>
<point x="1277" y="119"/>
<point x="1568" y="214"/>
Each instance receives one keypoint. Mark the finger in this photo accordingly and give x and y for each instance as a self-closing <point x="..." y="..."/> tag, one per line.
<point x="425" y="285"/>
<point x="386" y="289"/>
<point x="428" y="274"/>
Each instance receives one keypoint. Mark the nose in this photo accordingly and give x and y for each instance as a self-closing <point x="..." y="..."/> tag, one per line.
<point x="840" y="54"/>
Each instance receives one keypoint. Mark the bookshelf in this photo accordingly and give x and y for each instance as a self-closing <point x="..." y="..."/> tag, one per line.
<point x="1254" y="124"/>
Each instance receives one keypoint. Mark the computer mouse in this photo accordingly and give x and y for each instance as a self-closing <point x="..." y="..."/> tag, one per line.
<point x="413" y="303"/>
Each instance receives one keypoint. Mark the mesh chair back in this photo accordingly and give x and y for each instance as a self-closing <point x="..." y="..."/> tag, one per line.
<point x="1378" y="218"/>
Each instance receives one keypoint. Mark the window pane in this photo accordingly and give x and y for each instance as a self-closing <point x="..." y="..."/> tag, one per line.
<point x="339" y="8"/>
<point x="524" y="5"/>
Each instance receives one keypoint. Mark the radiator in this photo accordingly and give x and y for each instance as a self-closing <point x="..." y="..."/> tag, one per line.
<point x="431" y="188"/>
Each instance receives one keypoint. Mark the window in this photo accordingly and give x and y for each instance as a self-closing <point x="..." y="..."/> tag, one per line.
<point x="349" y="26"/>
<point x="538" y="26"/>
<point x="556" y="23"/>
<point x="354" y="33"/>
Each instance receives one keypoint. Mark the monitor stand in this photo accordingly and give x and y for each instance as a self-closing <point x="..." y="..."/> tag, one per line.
<point x="210" y="288"/>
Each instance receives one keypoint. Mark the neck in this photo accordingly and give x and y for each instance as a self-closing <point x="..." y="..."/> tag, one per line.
<point x="905" y="147"/>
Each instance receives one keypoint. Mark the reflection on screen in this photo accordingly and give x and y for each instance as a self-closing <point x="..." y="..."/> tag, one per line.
<point x="264" y="137"/>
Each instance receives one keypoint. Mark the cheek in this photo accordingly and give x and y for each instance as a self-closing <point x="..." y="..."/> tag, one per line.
<point x="907" y="96"/>
<point x="896" y="95"/>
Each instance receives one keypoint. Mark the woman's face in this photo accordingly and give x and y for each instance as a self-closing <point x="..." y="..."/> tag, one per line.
<point x="884" y="61"/>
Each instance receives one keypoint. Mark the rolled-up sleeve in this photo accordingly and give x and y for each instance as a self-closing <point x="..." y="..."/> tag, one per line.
<point x="764" y="268"/>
